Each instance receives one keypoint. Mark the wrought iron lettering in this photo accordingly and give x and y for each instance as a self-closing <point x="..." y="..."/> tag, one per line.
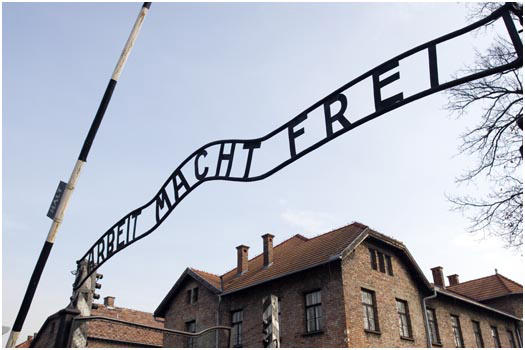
<point x="338" y="119"/>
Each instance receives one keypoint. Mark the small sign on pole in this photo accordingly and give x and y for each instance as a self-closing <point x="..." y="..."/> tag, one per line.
<point x="56" y="200"/>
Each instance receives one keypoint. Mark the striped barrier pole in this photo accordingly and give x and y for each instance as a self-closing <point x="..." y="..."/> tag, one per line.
<point x="68" y="191"/>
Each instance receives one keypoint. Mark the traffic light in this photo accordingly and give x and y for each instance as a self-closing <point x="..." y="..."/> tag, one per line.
<point x="270" y="322"/>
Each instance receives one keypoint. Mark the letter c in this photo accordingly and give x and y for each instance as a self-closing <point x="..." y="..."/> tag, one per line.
<point x="198" y="175"/>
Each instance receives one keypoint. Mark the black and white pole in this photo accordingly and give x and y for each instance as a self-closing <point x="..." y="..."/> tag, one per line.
<point x="68" y="190"/>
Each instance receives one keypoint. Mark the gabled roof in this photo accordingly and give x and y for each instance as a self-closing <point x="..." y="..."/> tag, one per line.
<point x="293" y="255"/>
<point x="489" y="287"/>
<point x="213" y="280"/>
<point x="296" y="254"/>
<point x="210" y="281"/>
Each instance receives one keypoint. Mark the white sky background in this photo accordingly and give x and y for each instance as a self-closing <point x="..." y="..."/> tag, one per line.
<point x="205" y="72"/>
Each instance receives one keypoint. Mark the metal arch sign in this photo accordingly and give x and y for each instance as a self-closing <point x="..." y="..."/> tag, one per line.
<point x="199" y="167"/>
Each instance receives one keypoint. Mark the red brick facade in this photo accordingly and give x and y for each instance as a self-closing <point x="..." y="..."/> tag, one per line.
<point x="341" y="280"/>
<point x="445" y="307"/>
<point x="512" y="304"/>
<point x="357" y="274"/>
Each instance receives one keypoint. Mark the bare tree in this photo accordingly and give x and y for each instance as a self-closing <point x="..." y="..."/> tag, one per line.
<point x="496" y="141"/>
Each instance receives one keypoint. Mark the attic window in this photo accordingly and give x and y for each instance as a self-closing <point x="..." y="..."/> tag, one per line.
<point x="373" y="259"/>
<point x="380" y="261"/>
<point x="193" y="295"/>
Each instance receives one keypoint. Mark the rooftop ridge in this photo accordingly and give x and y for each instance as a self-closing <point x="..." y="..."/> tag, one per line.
<point x="260" y="254"/>
<point x="117" y="308"/>
<point x="508" y="279"/>
<point x="201" y="271"/>
<point x="355" y="223"/>
<point x="475" y="279"/>
<point x="503" y="283"/>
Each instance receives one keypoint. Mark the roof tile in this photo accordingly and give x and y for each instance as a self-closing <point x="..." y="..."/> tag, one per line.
<point x="488" y="287"/>
<point x="295" y="254"/>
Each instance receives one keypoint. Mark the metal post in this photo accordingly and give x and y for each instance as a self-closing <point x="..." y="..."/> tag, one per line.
<point x="42" y="259"/>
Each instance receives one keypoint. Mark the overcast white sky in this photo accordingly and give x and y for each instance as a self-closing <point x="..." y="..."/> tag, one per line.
<point x="205" y="72"/>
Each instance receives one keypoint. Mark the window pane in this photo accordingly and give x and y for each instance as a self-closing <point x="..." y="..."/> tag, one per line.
<point x="366" y="297"/>
<point x="313" y="298"/>
<point x="381" y="261"/>
<point x="433" y="332"/>
<point x="400" y="306"/>
<point x="365" y="320"/>
<point x="430" y="315"/>
<point x="371" y="318"/>
<point x="389" y="265"/>
<point x="495" y="336"/>
<point x="511" y="339"/>
<point x="237" y="317"/>
<point x="309" y="299"/>
<point x="373" y="259"/>
<point x="310" y="319"/>
<point x="317" y="297"/>
<point x="195" y="294"/>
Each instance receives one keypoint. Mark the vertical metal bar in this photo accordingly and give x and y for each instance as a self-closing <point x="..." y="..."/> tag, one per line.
<point x="513" y="33"/>
<point x="42" y="259"/>
<point x="433" y="67"/>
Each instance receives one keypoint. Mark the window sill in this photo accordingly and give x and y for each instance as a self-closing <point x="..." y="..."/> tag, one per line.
<point x="438" y="344"/>
<point x="407" y="338"/>
<point x="372" y="332"/>
<point x="308" y="334"/>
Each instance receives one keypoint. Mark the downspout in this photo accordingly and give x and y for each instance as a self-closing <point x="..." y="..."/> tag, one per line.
<point x="427" y="325"/>
<point x="218" y="317"/>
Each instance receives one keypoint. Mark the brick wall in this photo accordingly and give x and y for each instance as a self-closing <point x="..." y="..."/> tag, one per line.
<point x="358" y="274"/>
<point x="340" y="283"/>
<point x="203" y="312"/>
<point x="445" y="306"/>
<point x="512" y="304"/>
<point x="291" y="293"/>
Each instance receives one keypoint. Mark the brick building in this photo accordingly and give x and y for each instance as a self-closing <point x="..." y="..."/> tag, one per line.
<point x="351" y="287"/>
<point x="103" y="329"/>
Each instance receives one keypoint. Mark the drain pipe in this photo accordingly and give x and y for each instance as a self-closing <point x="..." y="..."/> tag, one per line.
<point x="218" y="317"/>
<point x="218" y="322"/>
<point x="427" y="325"/>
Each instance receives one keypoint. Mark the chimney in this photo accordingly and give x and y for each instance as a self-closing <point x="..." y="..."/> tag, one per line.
<point x="242" y="259"/>
<point x="453" y="279"/>
<point x="268" y="249"/>
<point x="109" y="301"/>
<point x="437" y="275"/>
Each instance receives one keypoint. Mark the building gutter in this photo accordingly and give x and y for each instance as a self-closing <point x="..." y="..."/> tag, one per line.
<point x="218" y="319"/>
<point x="425" y="317"/>
<point x="473" y="302"/>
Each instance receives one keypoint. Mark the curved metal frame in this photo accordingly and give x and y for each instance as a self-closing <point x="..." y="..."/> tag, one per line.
<point x="382" y="107"/>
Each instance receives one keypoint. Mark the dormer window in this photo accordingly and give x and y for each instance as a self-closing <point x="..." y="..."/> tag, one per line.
<point x="193" y="295"/>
